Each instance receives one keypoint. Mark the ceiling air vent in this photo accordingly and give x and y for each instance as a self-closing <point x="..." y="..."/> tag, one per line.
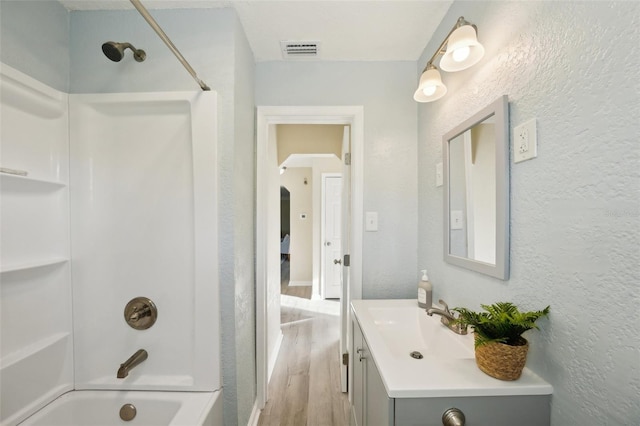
<point x="299" y="49"/>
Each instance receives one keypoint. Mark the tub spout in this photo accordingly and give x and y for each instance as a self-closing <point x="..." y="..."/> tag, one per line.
<point x="131" y="363"/>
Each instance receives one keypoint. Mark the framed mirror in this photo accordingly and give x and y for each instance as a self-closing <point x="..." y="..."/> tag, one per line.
<point x="476" y="192"/>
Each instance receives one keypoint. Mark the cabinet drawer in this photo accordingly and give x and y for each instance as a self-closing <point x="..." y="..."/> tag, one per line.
<point x="478" y="410"/>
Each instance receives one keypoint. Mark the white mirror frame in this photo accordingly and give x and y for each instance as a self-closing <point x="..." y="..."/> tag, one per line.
<point x="500" y="110"/>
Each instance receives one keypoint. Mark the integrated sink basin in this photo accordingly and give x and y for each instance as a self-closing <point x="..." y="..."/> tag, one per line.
<point x="395" y="328"/>
<point x="405" y="330"/>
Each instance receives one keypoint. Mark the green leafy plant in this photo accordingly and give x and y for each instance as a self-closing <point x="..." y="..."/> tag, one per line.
<point x="502" y="322"/>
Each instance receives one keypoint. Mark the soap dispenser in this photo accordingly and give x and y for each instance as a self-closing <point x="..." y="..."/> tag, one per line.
<point x="425" y="291"/>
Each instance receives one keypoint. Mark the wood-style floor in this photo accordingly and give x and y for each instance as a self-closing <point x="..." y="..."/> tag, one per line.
<point x="305" y="385"/>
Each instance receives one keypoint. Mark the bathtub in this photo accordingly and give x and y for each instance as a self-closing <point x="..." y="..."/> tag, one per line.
<point x="102" y="408"/>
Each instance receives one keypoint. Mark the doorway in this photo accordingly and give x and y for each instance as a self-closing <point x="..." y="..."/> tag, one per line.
<point x="267" y="171"/>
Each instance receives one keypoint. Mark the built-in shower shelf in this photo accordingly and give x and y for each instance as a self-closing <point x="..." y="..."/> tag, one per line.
<point x="32" y="265"/>
<point x="46" y="344"/>
<point x="25" y="181"/>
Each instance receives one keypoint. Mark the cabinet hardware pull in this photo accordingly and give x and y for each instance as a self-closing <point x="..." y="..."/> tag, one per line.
<point x="453" y="417"/>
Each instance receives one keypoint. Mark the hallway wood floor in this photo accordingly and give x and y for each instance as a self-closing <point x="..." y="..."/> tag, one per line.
<point x="305" y="385"/>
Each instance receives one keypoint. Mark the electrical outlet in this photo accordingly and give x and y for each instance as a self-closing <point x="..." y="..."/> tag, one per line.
<point x="439" y="174"/>
<point x="523" y="140"/>
<point x="525" y="144"/>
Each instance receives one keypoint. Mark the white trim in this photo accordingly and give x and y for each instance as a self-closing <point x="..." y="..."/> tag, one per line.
<point x="300" y="283"/>
<point x="255" y="415"/>
<point x="274" y="354"/>
<point x="268" y="115"/>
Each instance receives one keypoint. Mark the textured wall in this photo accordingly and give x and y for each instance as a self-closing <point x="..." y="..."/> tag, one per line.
<point x="385" y="90"/>
<point x="575" y="211"/>
<point x="244" y="207"/>
<point x="34" y="38"/>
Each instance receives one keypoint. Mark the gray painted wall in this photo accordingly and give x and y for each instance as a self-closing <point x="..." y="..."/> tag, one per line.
<point x="62" y="49"/>
<point x="34" y="38"/>
<point x="575" y="210"/>
<point x="244" y="208"/>
<point x="385" y="89"/>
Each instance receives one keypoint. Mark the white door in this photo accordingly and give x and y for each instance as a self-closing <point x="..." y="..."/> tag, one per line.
<point x="345" y="300"/>
<point x="332" y="231"/>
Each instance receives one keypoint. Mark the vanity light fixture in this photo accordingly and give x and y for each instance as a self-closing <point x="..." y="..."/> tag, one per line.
<point x="460" y="50"/>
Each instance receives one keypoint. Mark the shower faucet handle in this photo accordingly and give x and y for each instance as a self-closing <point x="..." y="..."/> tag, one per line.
<point x="140" y="313"/>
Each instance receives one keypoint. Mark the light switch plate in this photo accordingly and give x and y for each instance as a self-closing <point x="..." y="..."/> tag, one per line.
<point x="371" y="221"/>
<point x="456" y="219"/>
<point x="525" y="143"/>
<point x="438" y="174"/>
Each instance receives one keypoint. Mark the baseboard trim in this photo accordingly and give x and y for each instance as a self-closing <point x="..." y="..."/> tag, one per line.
<point x="255" y="415"/>
<point x="274" y="355"/>
<point x="300" y="283"/>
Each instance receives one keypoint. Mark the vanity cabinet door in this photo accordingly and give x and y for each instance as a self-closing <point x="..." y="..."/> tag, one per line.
<point x="378" y="405"/>
<point x="357" y="387"/>
<point x="370" y="404"/>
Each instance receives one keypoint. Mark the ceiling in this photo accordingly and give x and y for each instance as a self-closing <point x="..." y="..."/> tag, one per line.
<point x="347" y="30"/>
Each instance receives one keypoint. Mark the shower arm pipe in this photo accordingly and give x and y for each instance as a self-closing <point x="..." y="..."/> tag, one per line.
<point x="152" y="22"/>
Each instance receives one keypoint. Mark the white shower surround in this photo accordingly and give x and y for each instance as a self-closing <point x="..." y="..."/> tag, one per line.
<point x="38" y="361"/>
<point x="143" y="223"/>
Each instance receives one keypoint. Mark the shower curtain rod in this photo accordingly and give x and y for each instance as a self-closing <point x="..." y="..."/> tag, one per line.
<point x="152" y="22"/>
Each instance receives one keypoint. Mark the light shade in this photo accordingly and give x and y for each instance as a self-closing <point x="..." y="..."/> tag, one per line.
<point x="431" y="87"/>
<point x="463" y="50"/>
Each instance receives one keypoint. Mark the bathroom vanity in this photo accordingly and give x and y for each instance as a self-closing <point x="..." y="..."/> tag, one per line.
<point x="392" y="385"/>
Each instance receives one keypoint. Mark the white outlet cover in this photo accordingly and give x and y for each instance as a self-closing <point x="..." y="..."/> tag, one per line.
<point x="525" y="141"/>
<point x="438" y="174"/>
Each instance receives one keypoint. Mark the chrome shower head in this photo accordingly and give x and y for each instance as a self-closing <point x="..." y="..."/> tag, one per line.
<point x="115" y="51"/>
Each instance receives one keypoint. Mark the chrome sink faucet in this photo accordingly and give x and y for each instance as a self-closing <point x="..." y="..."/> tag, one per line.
<point x="131" y="363"/>
<point x="447" y="318"/>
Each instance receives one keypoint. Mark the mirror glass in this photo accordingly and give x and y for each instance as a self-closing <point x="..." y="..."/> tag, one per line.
<point x="476" y="172"/>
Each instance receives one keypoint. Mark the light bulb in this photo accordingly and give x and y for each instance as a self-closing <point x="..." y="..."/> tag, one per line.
<point x="461" y="53"/>
<point x="429" y="90"/>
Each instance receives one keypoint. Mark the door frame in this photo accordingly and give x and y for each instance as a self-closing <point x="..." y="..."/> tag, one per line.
<point x="272" y="115"/>
<point x="323" y="216"/>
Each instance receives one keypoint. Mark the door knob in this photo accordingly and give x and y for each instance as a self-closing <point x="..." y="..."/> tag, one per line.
<point x="337" y="261"/>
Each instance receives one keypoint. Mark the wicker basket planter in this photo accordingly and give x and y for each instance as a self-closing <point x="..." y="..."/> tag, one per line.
<point x="504" y="362"/>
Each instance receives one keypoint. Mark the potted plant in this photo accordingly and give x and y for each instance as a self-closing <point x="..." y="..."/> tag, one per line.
<point x="501" y="351"/>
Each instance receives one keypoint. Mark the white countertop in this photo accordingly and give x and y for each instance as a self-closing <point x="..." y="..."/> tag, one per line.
<point x="394" y="328"/>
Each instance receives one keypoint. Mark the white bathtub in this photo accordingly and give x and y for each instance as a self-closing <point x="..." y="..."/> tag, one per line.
<point x="102" y="408"/>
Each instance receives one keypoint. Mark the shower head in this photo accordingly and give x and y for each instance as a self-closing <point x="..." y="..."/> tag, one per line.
<point x="115" y="51"/>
